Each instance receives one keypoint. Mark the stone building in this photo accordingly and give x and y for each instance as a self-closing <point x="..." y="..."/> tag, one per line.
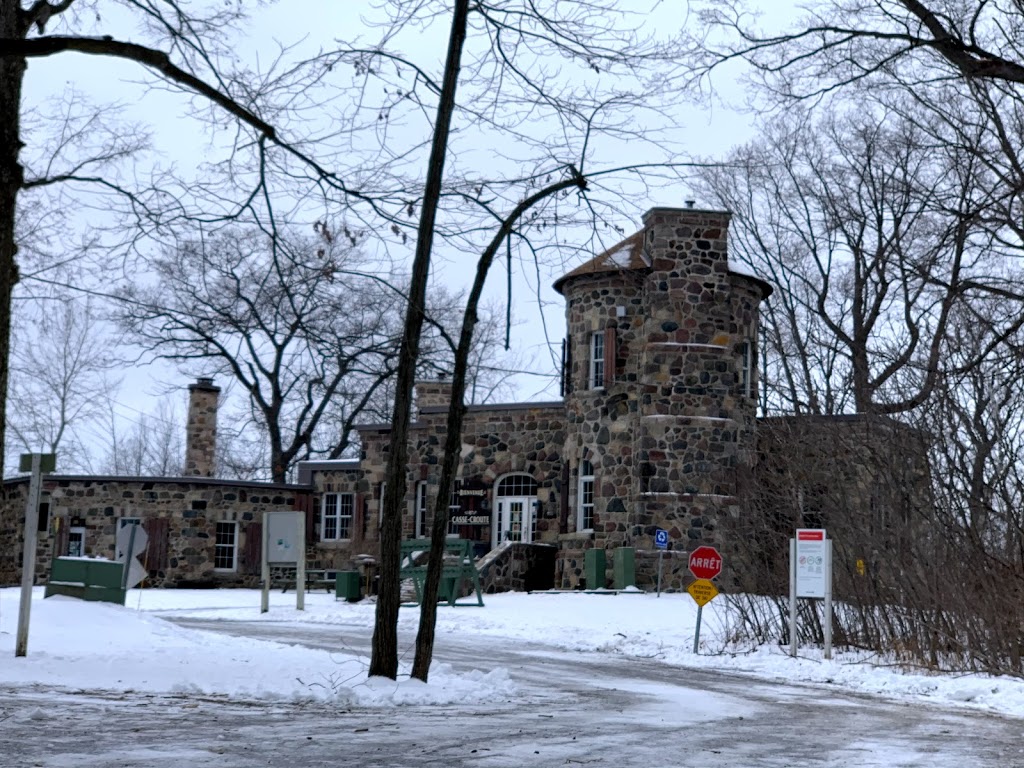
<point x="655" y="428"/>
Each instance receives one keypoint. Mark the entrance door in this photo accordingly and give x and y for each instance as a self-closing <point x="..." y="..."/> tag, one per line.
<point x="515" y="519"/>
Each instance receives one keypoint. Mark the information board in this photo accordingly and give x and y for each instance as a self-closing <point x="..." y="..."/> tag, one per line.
<point x="811" y="571"/>
<point x="283" y="537"/>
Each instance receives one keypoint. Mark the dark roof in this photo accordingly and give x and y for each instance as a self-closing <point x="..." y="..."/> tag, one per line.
<point x="189" y="480"/>
<point x="629" y="256"/>
<point x="625" y="256"/>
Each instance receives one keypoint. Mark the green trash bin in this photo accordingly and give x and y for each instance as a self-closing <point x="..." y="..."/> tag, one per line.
<point x="624" y="567"/>
<point x="348" y="584"/>
<point x="594" y="568"/>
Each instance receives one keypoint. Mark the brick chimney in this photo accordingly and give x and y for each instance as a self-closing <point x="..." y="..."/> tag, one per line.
<point x="201" y="431"/>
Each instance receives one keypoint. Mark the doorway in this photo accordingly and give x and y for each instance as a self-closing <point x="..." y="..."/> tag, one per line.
<point x="515" y="509"/>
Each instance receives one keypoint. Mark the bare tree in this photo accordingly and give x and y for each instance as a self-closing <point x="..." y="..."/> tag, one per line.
<point x="877" y="236"/>
<point x="62" y="368"/>
<point x="496" y="78"/>
<point x="294" y="323"/>
<point x="152" y="445"/>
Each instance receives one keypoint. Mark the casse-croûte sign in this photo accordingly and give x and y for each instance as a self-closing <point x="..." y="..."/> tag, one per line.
<point x="471" y="519"/>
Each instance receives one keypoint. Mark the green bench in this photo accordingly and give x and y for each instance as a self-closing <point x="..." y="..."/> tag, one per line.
<point x="458" y="568"/>
<point x="86" y="579"/>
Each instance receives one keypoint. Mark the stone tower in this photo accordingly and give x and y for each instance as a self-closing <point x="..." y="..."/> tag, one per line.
<point x="660" y="381"/>
<point x="201" y="431"/>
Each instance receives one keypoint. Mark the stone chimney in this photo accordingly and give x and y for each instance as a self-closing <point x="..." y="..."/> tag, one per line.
<point x="201" y="431"/>
<point x="433" y="394"/>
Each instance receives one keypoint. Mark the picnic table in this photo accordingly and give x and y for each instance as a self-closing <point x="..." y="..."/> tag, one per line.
<point x="459" y="568"/>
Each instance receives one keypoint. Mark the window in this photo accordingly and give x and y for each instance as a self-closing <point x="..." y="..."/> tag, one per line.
<point x="43" y="525"/>
<point x="420" y="519"/>
<point x="76" y="541"/>
<point x="747" y="369"/>
<point x="336" y="516"/>
<point x="596" y="360"/>
<point x="225" y="549"/>
<point x="380" y="505"/>
<point x="585" y="519"/>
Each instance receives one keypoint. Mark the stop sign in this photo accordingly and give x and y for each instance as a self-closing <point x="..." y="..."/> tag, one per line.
<point x="705" y="563"/>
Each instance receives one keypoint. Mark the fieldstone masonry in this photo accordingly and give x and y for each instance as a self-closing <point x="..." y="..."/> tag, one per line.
<point x="201" y="433"/>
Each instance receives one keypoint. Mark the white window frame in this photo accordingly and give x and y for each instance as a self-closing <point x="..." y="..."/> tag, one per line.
<point x="597" y="360"/>
<point x="585" y="497"/>
<point x="76" y="532"/>
<point x="747" y="369"/>
<point x="382" y="486"/>
<point x="218" y="546"/>
<point x="332" y="508"/>
<point x="419" y="530"/>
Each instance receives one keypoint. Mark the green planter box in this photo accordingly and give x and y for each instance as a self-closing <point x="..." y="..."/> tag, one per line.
<point x="348" y="584"/>
<point x="594" y="566"/>
<point x="624" y="567"/>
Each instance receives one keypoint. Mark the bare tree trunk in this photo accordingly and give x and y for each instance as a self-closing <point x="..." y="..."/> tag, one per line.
<point x="453" y="435"/>
<point x="12" y="71"/>
<point x="384" y="655"/>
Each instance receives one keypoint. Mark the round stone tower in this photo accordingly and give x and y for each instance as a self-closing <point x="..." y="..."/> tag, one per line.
<point x="661" y="386"/>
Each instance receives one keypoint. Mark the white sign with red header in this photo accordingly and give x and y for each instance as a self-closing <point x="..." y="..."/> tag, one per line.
<point x="811" y="562"/>
<point x="705" y="563"/>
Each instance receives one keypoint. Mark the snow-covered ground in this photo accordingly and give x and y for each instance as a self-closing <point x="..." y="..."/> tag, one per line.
<point x="90" y="646"/>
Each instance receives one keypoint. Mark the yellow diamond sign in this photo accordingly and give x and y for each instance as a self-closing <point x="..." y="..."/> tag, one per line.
<point x="703" y="591"/>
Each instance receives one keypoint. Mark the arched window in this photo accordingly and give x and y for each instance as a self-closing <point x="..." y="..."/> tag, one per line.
<point x="517" y="485"/>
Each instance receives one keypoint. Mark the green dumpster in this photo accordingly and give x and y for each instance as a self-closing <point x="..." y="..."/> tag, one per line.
<point x="594" y="568"/>
<point x="348" y="584"/>
<point x="624" y="567"/>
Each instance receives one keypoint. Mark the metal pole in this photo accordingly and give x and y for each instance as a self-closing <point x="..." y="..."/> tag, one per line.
<point x="792" y="598"/>
<point x="300" y="568"/>
<point x="696" y="635"/>
<point x="661" y="559"/>
<point x="28" y="562"/>
<point x="264" y="569"/>
<point x="828" y="598"/>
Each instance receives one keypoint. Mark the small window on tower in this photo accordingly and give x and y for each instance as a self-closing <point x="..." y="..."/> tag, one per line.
<point x="596" y="360"/>
<point x="747" y="369"/>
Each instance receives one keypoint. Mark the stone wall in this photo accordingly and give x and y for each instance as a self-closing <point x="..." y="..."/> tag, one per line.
<point x="192" y="508"/>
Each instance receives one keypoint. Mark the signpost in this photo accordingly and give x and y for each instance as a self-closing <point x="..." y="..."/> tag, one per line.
<point x="661" y="542"/>
<point x="705" y="564"/>
<point x="810" y="575"/>
<point x="37" y="464"/>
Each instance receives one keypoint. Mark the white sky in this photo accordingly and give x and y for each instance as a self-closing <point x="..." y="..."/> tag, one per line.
<point x="98" y="646"/>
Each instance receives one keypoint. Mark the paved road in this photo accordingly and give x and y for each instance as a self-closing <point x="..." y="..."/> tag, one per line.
<point x="574" y="710"/>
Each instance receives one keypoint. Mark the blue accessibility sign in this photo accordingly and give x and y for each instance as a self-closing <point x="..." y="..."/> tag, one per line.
<point x="661" y="539"/>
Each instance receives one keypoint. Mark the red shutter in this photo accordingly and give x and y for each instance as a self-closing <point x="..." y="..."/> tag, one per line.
<point x="359" y="518"/>
<point x="61" y="536"/>
<point x="568" y="365"/>
<point x="304" y="503"/>
<point x="609" y="356"/>
<point x="563" y="500"/>
<point x="158" y="531"/>
<point x="252" y="558"/>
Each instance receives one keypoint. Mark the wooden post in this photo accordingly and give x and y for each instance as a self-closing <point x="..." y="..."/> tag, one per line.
<point x="264" y="567"/>
<point x="37" y="463"/>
